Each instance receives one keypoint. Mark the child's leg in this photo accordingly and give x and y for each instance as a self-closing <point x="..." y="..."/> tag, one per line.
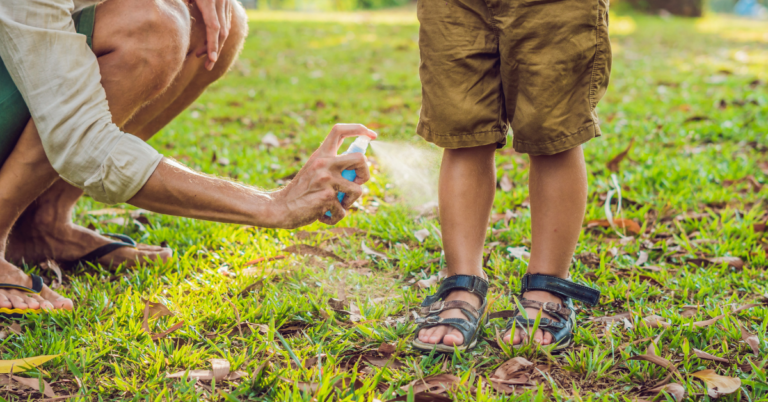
<point x="558" y="191"/>
<point x="467" y="187"/>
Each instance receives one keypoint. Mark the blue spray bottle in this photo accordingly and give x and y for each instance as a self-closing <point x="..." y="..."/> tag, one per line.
<point x="359" y="145"/>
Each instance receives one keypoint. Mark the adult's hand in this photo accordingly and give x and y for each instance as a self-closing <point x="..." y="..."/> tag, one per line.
<point x="217" y="16"/>
<point x="313" y="191"/>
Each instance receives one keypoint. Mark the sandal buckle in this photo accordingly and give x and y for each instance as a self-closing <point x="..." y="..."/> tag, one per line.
<point x="551" y="307"/>
<point x="432" y="319"/>
<point x="436" y="307"/>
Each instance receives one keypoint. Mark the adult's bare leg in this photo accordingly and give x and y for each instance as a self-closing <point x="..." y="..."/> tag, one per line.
<point x="558" y="191"/>
<point x="466" y="190"/>
<point x="150" y="73"/>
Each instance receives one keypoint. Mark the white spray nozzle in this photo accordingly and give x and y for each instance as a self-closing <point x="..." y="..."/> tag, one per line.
<point x="359" y="145"/>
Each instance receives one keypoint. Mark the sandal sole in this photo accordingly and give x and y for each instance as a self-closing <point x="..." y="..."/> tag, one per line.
<point x="442" y="348"/>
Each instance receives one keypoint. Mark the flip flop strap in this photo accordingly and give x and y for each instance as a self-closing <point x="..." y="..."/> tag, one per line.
<point x="37" y="285"/>
<point x="560" y="287"/>
<point x="94" y="255"/>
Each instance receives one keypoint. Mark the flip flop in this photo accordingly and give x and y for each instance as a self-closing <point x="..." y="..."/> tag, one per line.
<point x="37" y="287"/>
<point x="95" y="255"/>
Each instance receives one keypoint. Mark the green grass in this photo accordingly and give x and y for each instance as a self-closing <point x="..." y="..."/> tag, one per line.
<point x="296" y="78"/>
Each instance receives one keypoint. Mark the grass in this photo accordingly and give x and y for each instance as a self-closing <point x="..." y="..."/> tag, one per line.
<point x="680" y="88"/>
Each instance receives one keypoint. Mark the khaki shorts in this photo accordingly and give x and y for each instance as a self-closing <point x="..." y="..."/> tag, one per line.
<point x="540" y="66"/>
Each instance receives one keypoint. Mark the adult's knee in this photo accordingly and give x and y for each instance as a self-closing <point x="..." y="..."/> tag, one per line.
<point x="157" y="42"/>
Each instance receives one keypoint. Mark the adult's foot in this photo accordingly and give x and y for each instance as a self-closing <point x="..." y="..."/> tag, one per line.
<point x="447" y="334"/>
<point x="47" y="299"/>
<point x="540" y="337"/>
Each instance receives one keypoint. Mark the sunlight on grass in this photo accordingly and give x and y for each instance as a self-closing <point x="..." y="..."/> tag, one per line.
<point x="386" y="17"/>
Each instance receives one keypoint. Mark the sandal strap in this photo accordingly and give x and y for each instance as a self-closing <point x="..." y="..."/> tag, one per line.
<point x="552" y="308"/>
<point x="560" y="287"/>
<point x="440" y="306"/>
<point x="37" y="285"/>
<point x="469" y="283"/>
<point x="467" y="328"/>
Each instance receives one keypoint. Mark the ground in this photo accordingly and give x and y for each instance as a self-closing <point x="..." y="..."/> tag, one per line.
<point x="691" y="94"/>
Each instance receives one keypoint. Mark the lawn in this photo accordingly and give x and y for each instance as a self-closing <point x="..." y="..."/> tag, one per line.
<point x="331" y="320"/>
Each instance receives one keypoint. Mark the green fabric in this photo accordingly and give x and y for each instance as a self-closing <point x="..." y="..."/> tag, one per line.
<point x="14" y="113"/>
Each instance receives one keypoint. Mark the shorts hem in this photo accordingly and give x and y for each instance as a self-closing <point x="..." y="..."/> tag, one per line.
<point x="581" y="136"/>
<point x="471" y="139"/>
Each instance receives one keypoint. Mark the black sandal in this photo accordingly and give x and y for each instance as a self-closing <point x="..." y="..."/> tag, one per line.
<point x="562" y="329"/>
<point x="37" y="287"/>
<point x="435" y="304"/>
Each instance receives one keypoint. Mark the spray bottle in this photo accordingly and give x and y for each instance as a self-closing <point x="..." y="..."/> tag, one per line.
<point x="359" y="145"/>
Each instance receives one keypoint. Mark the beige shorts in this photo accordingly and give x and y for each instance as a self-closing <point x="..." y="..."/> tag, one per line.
<point x="539" y="66"/>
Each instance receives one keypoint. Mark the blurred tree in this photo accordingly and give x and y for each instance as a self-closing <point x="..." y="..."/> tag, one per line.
<point x="687" y="8"/>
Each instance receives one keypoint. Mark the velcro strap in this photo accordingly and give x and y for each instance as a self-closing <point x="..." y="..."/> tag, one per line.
<point x="470" y="283"/>
<point x="440" y="306"/>
<point x="549" y="307"/>
<point x="544" y="323"/>
<point x="561" y="287"/>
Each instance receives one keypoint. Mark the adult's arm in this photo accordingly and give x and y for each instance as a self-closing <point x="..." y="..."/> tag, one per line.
<point x="58" y="76"/>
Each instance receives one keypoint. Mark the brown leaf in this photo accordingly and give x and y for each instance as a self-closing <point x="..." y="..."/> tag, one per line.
<point x="706" y="356"/>
<point x="33" y="383"/>
<point x="628" y="224"/>
<point x="651" y="357"/>
<point x="436" y="384"/>
<point x="655" y="321"/>
<point x="220" y="368"/>
<point x="505" y="184"/>
<point x="508" y="386"/>
<point x="689" y="311"/>
<point x="734" y="262"/>
<point x="337" y="304"/>
<point x="369" y="251"/>
<point x="15" y="328"/>
<point x="423" y="397"/>
<point x="612" y="318"/>
<point x="347" y="231"/>
<point x="751" y="340"/>
<point x="221" y="371"/>
<point x="674" y="389"/>
<point x="155" y="309"/>
<point x="355" y="315"/>
<point x="387" y="348"/>
<point x="421" y="235"/>
<point x="386" y="360"/>
<point x="357" y="264"/>
<point x="613" y="164"/>
<point x="642" y="258"/>
<point x="168" y="331"/>
<point x="425" y="283"/>
<point x="305" y="249"/>
<point x="718" y="385"/>
<point x="53" y="266"/>
<point x="264" y="259"/>
<point x="510" y="367"/>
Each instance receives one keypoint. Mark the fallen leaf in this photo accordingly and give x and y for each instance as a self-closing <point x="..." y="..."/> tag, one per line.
<point x="655" y="321"/>
<point x="505" y="184"/>
<point x="589" y="259"/>
<point x="674" y="389"/>
<point x="264" y="259"/>
<point x="15" y="328"/>
<point x="511" y="367"/>
<point x="425" y="283"/>
<point x="706" y="323"/>
<point x="33" y="383"/>
<point x="53" y="266"/>
<point x="23" y="364"/>
<point x="305" y="249"/>
<point x="651" y="357"/>
<point x="689" y="311"/>
<point x="611" y="318"/>
<point x="613" y="164"/>
<point x="355" y="315"/>
<point x="347" y="231"/>
<point x="421" y="235"/>
<point x="437" y="384"/>
<point x="220" y="371"/>
<point x="520" y="253"/>
<point x="751" y="340"/>
<point x="422" y="397"/>
<point x="220" y="368"/>
<point x="696" y="118"/>
<point x="368" y="251"/>
<point x="270" y="140"/>
<point x="387" y="360"/>
<point x="642" y="258"/>
<point x="168" y="331"/>
<point x="706" y="356"/>
<point x="156" y="310"/>
<point x="628" y="224"/>
<point x="508" y="386"/>
<point x="734" y="262"/>
<point x="718" y="385"/>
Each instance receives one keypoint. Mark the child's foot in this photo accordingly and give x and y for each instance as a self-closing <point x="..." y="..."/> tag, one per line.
<point x="449" y="335"/>
<point x="541" y="337"/>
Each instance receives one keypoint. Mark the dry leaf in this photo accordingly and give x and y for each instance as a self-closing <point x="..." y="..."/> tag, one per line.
<point x="642" y="258"/>
<point x="613" y="164"/>
<point x="264" y="259"/>
<point x="734" y="262"/>
<point x="33" y="383"/>
<point x="437" y="384"/>
<point x="425" y="283"/>
<point x="347" y="231"/>
<point x="15" y="328"/>
<point x="655" y="321"/>
<point x="706" y="356"/>
<point x="651" y="357"/>
<point x="521" y="253"/>
<point x="422" y="397"/>
<point x="718" y="385"/>
<point x="355" y="315"/>
<point x="421" y="235"/>
<point x="612" y="318"/>
<point x="628" y="224"/>
<point x="53" y="266"/>
<point x="305" y="249"/>
<point x="270" y="140"/>
<point x="387" y="348"/>
<point x="23" y="364"/>
<point x="368" y="251"/>
<point x="505" y="184"/>
<point x="689" y="311"/>
<point x="220" y="372"/>
<point x="510" y="367"/>
<point x="156" y="310"/>
<point x="751" y="340"/>
<point x="674" y="389"/>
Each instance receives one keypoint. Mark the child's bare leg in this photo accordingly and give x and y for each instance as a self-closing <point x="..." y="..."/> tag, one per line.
<point x="466" y="190"/>
<point x="558" y="191"/>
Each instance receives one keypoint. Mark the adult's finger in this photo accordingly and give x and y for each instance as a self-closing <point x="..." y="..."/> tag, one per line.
<point x="351" y="192"/>
<point x="337" y="213"/>
<point x="212" y="27"/>
<point x="341" y="131"/>
<point x="223" y="13"/>
<point x="353" y="161"/>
